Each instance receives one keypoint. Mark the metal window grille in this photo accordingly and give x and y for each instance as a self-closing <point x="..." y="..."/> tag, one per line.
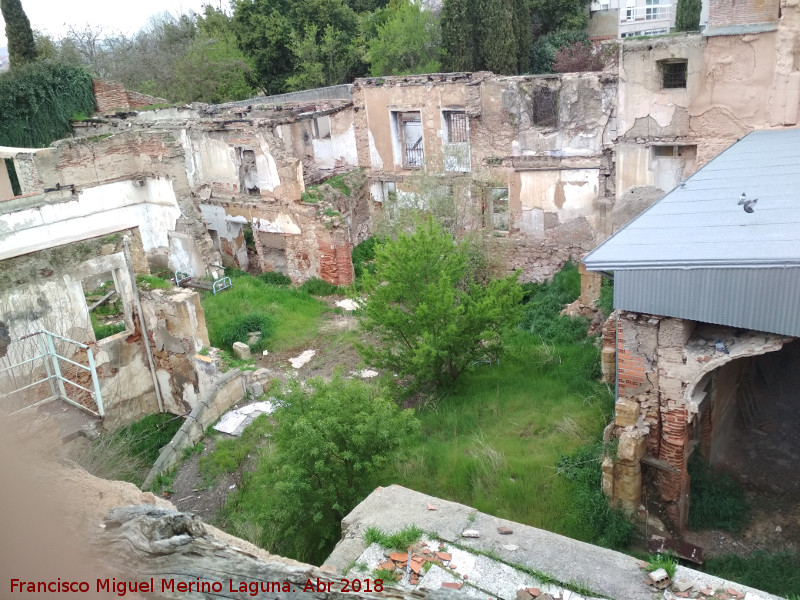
<point x="674" y="74"/>
<point x="457" y="124"/>
<point x="544" y="106"/>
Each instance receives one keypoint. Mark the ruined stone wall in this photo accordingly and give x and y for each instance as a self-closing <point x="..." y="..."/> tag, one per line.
<point x="45" y="291"/>
<point x="669" y="376"/>
<point x="110" y="95"/>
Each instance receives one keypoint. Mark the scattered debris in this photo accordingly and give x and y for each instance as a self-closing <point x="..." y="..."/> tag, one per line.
<point x="348" y="304"/>
<point x="232" y="421"/>
<point x="241" y="351"/>
<point x="431" y="507"/>
<point x="470" y="533"/>
<point x="682" y="585"/>
<point x="303" y="359"/>
<point x="367" y="373"/>
<point x="504" y="530"/>
<point x="511" y="547"/>
<point x="660" y="578"/>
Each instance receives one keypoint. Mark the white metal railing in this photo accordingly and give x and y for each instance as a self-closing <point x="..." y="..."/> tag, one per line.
<point x="45" y="367"/>
<point x="656" y="12"/>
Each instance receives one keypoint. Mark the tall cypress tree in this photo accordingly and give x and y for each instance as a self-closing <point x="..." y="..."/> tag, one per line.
<point x="498" y="46"/>
<point x="21" y="47"/>
<point x="687" y="15"/>
<point x="458" y="35"/>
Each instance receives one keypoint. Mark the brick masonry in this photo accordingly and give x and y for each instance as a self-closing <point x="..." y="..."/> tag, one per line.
<point x="741" y="12"/>
<point x="110" y="96"/>
<point x="661" y="363"/>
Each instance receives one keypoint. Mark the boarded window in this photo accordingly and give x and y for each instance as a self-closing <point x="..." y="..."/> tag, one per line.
<point x="673" y="74"/>
<point x="545" y="103"/>
<point x="322" y="128"/>
<point x="457" y="123"/>
<point x="12" y="177"/>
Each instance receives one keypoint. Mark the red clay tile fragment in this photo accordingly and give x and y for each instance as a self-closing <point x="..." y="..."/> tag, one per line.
<point x="732" y="592"/>
<point x="534" y="592"/>
<point x="431" y="507"/>
<point x="399" y="556"/>
<point x="444" y="555"/>
<point x="504" y="530"/>
<point x="452" y="586"/>
<point x="388" y="565"/>
<point x="416" y="566"/>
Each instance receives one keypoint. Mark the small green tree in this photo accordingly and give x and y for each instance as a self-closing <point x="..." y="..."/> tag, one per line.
<point x="407" y="43"/>
<point x="329" y="441"/>
<point x="687" y="15"/>
<point x="432" y="317"/>
<point x="21" y="47"/>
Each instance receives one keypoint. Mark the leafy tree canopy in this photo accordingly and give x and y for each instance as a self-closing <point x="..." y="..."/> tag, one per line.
<point x="687" y="15"/>
<point x="432" y="318"/>
<point x="407" y="42"/>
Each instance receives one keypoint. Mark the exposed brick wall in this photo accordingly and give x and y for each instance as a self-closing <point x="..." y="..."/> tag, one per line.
<point x="632" y="368"/>
<point x="336" y="265"/>
<point x="110" y="95"/>
<point x="739" y="12"/>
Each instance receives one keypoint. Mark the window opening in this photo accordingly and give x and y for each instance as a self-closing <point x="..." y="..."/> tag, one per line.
<point x="12" y="177"/>
<point x="545" y="103"/>
<point x="321" y="128"/>
<point x="673" y="74"/>
<point x="104" y="304"/>
<point x="497" y="208"/>
<point x="457" y="127"/>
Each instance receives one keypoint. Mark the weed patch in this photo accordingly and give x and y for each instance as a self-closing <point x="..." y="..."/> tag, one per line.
<point x="396" y="541"/>
<point x="128" y="454"/>
<point x="102" y="331"/>
<point x="319" y="287"/>
<point x="777" y="573"/>
<point x="229" y="455"/>
<point x="544" y="302"/>
<point x="294" y="315"/>
<point x="718" y="502"/>
<point x="662" y="561"/>
<point x="149" y="282"/>
<point x="275" y="278"/>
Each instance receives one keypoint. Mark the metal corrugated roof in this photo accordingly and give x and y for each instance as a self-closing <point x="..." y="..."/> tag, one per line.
<point x="760" y="299"/>
<point x="702" y="225"/>
<point x="741" y="29"/>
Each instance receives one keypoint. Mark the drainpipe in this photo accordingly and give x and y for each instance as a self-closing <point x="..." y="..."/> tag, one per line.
<point x="140" y="315"/>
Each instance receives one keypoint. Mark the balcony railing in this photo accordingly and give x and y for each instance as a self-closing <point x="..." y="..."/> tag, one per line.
<point x="415" y="157"/>
<point x="658" y="12"/>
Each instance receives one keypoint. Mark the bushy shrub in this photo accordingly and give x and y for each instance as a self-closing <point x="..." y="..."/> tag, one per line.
<point x="543" y="51"/>
<point x="38" y="100"/>
<point x="544" y="302"/>
<point x="364" y="256"/>
<point x="319" y="287"/>
<point x="576" y="58"/>
<point x="238" y="328"/>
<point x="275" y="278"/>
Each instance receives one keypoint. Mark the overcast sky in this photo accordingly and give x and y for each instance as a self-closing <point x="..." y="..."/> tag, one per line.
<point x="55" y="16"/>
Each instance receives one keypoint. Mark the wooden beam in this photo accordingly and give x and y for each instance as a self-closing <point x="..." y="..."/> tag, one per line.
<point x="659" y="464"/>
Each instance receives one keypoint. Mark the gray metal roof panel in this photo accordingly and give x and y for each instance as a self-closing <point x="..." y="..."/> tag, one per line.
<point x="701" y="223"/>
<point x="741" y="29"/>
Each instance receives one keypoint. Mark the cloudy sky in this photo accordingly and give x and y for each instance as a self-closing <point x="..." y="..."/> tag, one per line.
<point x="56" y="16"/>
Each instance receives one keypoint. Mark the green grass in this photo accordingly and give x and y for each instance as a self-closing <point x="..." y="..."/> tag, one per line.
<point x="777" y="573"/>
<point x="319" y="287"/>
<point x="396" y="541"/>
<point x="275" y="278"/>
<point x="229" y="455"/>
<point x="103" y="331"/>
<point x="128" y="453"/>
<point x="718" y="502"/>
<point x="495" y="441"/>
<point x="662" y="561"/>
<point x="295" y="315"/>
<point x="150" y="282"/>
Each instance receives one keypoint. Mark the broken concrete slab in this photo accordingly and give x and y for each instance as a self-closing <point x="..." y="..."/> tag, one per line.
<point x="234" y="422"/>
<point x="303" y="359"/>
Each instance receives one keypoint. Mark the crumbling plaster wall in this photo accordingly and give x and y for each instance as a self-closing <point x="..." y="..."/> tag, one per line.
<point x="661" y="363"/>
<point x="735" y="83"/>
<point x="557" y="165"/>
<point x="44" y="291"/>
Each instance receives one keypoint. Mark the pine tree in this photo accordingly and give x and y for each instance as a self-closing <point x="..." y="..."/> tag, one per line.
<point x="458" y="35"/>
<point x="21" y="47"/>
<point x="687" y="15"/>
